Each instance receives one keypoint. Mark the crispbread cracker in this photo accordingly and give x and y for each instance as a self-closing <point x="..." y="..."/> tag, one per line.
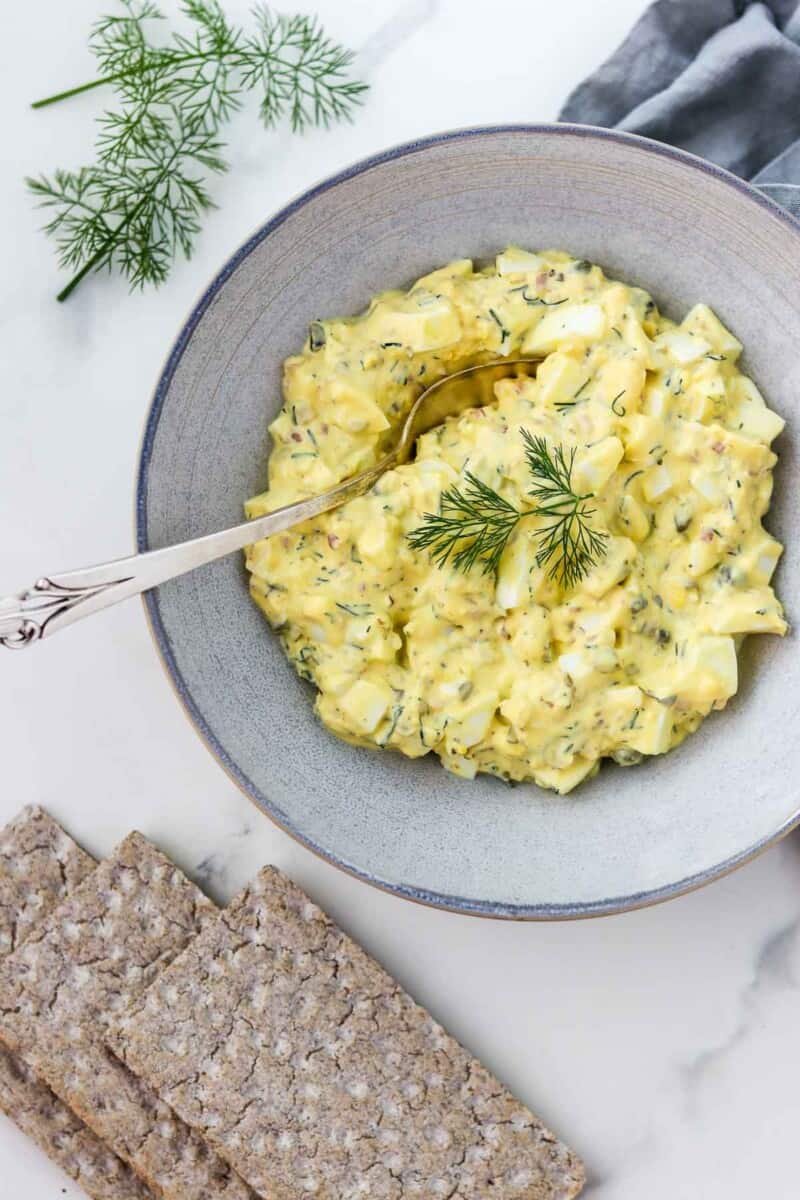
<point x="313" y="1072"/>
<point x="63" y="1136"/>
<point x="105" y="943"/>
<point x="39" y="865"/>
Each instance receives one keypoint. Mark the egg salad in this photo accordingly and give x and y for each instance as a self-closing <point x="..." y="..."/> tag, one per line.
<point x="517" y="671"/>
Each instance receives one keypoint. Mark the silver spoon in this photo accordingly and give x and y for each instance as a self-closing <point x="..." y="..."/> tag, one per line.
<point x="55" y="601"/>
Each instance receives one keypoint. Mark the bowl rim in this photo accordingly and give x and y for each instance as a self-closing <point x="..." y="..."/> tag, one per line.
<point x="451" y="903"/>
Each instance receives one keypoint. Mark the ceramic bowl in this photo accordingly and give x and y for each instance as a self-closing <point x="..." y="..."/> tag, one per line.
<point x="673" y="224"/>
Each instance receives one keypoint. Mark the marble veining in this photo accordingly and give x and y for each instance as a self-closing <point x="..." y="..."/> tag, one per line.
<point x="775" y="972"/>
<point x="213" y="871"/>
<point x="388" y="38"/>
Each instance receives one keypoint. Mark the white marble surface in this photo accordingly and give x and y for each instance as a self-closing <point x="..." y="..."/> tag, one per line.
<point x="663" y="1044"/>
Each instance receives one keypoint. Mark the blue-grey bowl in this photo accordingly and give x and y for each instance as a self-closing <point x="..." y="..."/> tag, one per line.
<point x="677" y="226"/>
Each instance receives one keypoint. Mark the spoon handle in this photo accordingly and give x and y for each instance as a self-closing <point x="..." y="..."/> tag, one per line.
<point x="55" y="601"/>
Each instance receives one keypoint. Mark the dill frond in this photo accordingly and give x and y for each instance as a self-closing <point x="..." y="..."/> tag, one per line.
<point x="301" y="72"/>
<point x="471" y="527"/>
<point x="568" y="541"/>
<point x="141" y="202"/>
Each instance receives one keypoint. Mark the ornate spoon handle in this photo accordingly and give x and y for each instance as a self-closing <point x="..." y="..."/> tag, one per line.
<point x="55" y="601"/>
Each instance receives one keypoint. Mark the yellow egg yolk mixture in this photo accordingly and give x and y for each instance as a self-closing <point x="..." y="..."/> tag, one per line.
<point x="514" y="673"/>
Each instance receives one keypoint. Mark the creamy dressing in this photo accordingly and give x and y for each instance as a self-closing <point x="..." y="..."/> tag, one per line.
<point x="515" y="675"/>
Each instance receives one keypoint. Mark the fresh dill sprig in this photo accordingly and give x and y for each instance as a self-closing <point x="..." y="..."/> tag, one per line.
<point x="142" y="200"/>
<point x="567" y="538"/>
<point x="474" y="526"/>
<point x="135" y="208"/>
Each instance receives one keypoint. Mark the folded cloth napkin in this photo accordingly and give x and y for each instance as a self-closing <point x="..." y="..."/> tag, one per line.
<point x="720" y="78"/>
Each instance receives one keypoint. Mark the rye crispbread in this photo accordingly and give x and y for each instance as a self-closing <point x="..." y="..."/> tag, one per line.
<point x="63" y="1137"/>
<point x="39" y="865"/>
<point x="314" y="1073"/>
<point x="105" y="943"/>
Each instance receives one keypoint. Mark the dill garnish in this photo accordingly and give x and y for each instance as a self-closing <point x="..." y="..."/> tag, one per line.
<point x="504" y="333"/>
<point x="355" y="610"/>
<point x="562" y="404"/>
<point x="473" y="526"/>
<point x="538" y="300"/>
<point x="141" y="201"/>
<point x="620" y="412"/>
<point x="568" y="538"/>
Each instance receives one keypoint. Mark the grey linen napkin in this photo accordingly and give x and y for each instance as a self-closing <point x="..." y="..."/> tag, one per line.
<point x="720" y="78"/>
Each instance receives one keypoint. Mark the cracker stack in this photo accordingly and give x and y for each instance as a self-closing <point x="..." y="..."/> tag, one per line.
<point x="39" y="866"/>
<point x="265" y="1054"/>
<point x="91" y="956"/>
